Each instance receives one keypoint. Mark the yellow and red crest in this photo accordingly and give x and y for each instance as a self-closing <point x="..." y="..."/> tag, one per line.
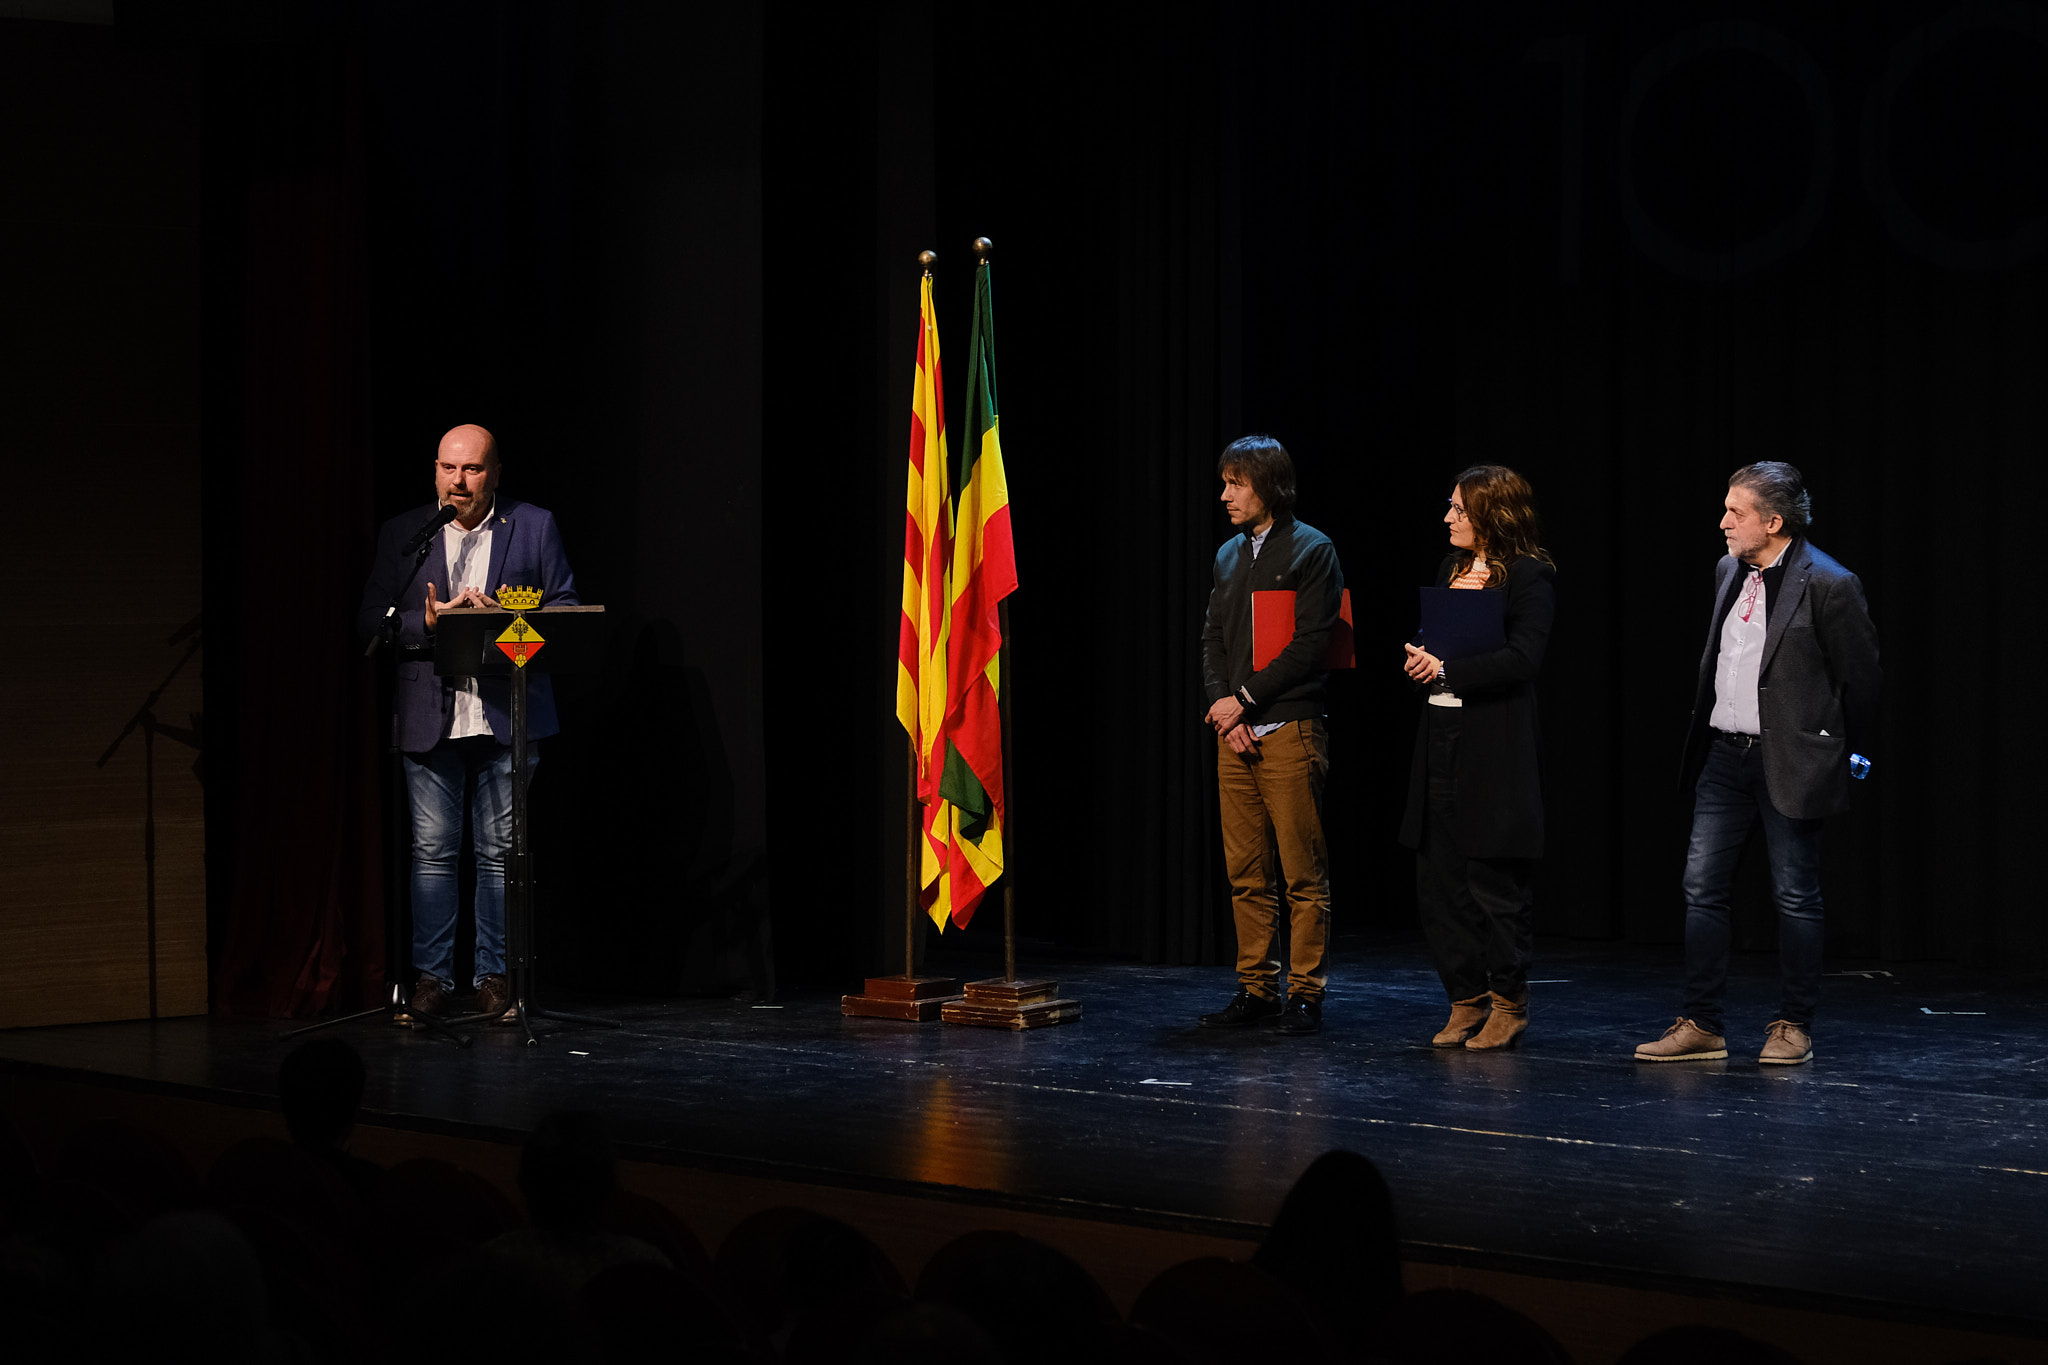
<point x="520" y="641"/>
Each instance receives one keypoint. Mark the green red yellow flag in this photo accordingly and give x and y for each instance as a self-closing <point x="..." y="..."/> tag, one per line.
<point x="982" y="573"/>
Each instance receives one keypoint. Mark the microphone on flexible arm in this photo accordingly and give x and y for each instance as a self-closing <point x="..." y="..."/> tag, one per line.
<point x="427" y="529"/>
<point x="387" y="628"/>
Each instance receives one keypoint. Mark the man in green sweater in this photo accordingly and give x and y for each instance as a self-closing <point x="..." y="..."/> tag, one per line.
<point x="1277" y="595"/>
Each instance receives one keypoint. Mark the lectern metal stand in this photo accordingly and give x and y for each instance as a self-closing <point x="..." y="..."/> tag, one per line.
<point x="466" y="645"/>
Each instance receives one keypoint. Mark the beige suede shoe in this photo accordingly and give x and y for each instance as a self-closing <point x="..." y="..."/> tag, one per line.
<point x="1467" y="1016"/>
<point x="1504" y="1025"/>
<point x="1786" y="1044"/>
<point x="1684" y="1041"/>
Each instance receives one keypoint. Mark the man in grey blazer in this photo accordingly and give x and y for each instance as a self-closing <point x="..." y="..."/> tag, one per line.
<point x="1787" y="693"/>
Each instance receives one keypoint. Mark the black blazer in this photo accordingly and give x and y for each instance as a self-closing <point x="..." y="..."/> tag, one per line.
<point x="1500" y="783"/>
<point x="1816" y="690"/>
<point x="1296" y="558"/>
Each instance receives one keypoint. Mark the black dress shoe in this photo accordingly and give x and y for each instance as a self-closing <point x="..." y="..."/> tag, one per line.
<point x="1244" y="1008"/>
<point x="1301" y="1015"/>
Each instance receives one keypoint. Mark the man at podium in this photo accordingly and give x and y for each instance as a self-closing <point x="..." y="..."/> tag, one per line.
<point x="455" y="734"/>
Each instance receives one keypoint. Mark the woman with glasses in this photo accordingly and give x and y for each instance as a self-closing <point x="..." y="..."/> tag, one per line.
<point x="1475" y="800"/>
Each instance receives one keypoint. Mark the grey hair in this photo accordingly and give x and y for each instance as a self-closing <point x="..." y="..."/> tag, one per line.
<point x="1779" y="490"/>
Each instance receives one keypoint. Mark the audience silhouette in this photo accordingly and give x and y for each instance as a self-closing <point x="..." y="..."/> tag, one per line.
<point x="320" y="1089"/>
<point x="569" y="1179"/>
<point x="1336" y="1244"/>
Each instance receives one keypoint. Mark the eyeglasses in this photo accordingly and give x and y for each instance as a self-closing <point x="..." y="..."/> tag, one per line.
<point x="1756" y="583"/>
<point x="1456" y="510"/>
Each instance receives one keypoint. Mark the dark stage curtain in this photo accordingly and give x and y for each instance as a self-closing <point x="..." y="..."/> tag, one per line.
<point x="1628" y="249"/>
<point x="543" y="218"/>
<point x="292" y="799"/>
<point x="1116" y="305"/>
<point x="1624" y="248"/>
<point x="1121" y="583"/>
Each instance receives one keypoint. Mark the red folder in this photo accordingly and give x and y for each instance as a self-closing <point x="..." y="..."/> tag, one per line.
<point x="1273" y="627"/>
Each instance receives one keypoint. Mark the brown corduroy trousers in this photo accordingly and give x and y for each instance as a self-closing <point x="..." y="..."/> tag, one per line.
<point x="1273" y="840"/>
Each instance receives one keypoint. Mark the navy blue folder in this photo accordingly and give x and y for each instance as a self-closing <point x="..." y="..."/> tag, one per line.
<point x="1459" y="623"/>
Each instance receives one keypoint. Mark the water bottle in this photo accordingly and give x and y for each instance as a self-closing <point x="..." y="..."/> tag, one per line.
<point x="1859" y="767"/>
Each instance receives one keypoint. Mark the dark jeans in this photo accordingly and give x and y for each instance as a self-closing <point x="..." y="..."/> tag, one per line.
<point x="1730" y="801"/>
<point x="1475" y="911"/>
<point x="476" y="773"/>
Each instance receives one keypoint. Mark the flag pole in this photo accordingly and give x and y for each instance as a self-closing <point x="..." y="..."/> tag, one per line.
<point x="1008" y="1003"/>
<point x="908" y="996"/>
<point x="910" y="835"/>
<point x="1009" y="802"/>
<point x="982" y="249"/>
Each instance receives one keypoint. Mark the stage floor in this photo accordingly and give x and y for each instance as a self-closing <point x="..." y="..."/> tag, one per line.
<point x="1903" y="1172"/>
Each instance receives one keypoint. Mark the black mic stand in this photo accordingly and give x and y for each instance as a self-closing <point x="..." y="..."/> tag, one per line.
<point x="397" y="1008"/>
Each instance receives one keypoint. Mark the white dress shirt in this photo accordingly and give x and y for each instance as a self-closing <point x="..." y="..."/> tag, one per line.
<point x="1258" y="544"/>
<point x="1736" y="672"/>
<point x="469" y="563"/>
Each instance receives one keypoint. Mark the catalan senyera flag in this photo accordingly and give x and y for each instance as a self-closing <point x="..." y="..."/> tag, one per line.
<point x="927" y="550"/>
<point x="965" y="854"/>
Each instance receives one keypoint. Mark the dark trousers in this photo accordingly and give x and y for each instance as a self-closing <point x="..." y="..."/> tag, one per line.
<point x="1729" y="802"/>
<point x="1476" y="912"/>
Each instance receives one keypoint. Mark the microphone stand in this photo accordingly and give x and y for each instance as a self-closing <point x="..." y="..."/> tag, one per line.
<point x="397" y="1009"/>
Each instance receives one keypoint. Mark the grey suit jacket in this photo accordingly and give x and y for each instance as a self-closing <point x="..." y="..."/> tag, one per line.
<point x="1816" y="689"/>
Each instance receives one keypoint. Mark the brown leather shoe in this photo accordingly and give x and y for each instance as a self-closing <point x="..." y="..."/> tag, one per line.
<point x="1786" y="1044"/>
<point x="1504" y="1024"/>
<point x="1684" y="1041"/>
<point x="1467" y="1016"/>
<point x="494" y="997"/>
<point x="428" y="997"/>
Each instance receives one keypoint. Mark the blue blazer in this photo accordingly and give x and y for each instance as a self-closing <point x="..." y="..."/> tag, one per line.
<point x="526" y="551"/>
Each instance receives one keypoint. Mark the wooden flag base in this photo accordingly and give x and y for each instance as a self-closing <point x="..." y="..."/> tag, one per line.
<point x="1011" y="1005"/>
<point x="917" y="999"/>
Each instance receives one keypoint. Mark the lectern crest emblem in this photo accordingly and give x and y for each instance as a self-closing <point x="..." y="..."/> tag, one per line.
<point x="520" y="640"/>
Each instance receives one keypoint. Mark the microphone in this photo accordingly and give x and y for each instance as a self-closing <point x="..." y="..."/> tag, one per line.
<point x="427" y="529"/>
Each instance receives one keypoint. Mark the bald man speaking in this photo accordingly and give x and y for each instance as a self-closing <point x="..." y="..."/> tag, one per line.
<point x="456" y="734"/>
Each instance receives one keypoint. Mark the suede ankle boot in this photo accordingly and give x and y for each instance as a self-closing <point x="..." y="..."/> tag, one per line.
<point x="1504" y="1024"/>
<point x="1467" y="1017"/>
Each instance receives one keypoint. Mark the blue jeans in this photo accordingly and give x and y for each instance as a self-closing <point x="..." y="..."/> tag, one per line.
<point x="1730" y="801"/>
<point x="475" y="772"/>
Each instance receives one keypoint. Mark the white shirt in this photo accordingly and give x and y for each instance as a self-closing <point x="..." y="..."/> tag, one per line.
<point x="1742" y="651"/>
<point x="1258" y="544"/>
<point x="469" y="563"/>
